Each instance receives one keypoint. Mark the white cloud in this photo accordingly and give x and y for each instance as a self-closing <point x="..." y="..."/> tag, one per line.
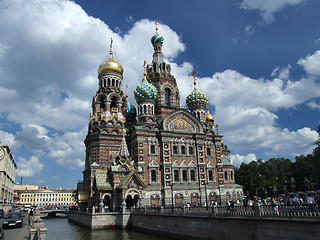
<point x="34" y="137"/>
<point x="311" y="63"/>
<point x="237" y="159"/>
<point x="9" y="139"/>
<point x="68" y="149"/>
<point x="268" y="7"/>
<point x="313" y="104"/>
<point x="249" y="30"/>
<point x="29" y="168"/>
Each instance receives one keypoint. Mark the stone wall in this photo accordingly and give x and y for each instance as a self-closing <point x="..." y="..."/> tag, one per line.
<point x="206" y="227"/>
<point x="100" y="220"/>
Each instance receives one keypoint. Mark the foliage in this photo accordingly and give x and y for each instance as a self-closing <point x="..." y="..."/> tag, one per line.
<point x="273" y="176"/>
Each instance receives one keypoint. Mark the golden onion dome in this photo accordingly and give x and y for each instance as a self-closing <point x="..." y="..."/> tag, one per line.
<point x="110" y="66"/>
<point x="209" y="118"/>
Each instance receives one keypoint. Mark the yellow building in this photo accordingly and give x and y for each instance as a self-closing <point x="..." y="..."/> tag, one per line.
<point x="44" y="197"/>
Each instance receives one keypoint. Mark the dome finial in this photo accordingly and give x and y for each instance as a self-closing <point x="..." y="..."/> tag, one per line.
<point x="156" y="22"/>
<point x="194" y="79"/>
<point x="111" y="52"/>
<point x="145" y="71"/>
<point x="127" y="91"/>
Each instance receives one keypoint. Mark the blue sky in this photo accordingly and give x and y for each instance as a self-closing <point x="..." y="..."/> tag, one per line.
<point x="257" y="61"/>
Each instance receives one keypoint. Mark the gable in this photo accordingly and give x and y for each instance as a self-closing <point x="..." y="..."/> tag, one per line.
<point x="182" y="121"/>
<point x="131" y="180"/>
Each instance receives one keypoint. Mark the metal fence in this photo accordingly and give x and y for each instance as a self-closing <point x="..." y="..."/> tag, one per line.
<point x="256" y="210"/>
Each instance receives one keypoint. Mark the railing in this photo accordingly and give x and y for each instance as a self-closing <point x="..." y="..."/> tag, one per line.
<point x="37" y="235"/>
<point x="256" y="210"/>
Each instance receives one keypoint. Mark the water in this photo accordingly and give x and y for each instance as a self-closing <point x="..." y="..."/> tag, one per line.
<point x="61" y="229"/>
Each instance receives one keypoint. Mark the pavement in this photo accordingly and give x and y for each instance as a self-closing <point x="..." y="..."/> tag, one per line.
<point x="24" y="234"/>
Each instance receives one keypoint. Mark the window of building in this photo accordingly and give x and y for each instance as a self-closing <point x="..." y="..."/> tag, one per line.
<point x="153" y="175"/>
<point x="210" y="175"/>
<point x="176" y="175"/>
<point x="175" y="150"/>
<point x="190" y="150"/>
<point x="208" y="151"/>
<point x="192" y="175"/>
<point x="226" y="175"/>
<point x="113" y="102"/>
<point x="184" y="175"/>
<point x="167" y="97"/>
<point x="152" y="149"/>
<point x="231" y="175"/>
<point x="183" y="150"/>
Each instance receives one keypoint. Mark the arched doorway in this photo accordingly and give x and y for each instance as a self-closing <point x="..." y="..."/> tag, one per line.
<point x="135" y="200"/>
<point x="107" y="201"/>
<point x="194" y="199"/>
<point x="129" y="201"/>
<point x="154" y="200"/>
<point x="212" y="197"/>
<point x="178" y="199"/>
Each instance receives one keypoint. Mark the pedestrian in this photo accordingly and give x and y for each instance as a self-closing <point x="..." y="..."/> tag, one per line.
<point x="30" y="216"/>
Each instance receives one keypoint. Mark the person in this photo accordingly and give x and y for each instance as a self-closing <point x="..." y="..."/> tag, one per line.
<point x="30" y="216"/>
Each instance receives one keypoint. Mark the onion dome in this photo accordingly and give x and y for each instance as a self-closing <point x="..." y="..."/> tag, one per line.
<point x="110" y="65"/>
<point x="132" y="111"/>
<point x="145" y="90"/>
<point x="157" y="38"/>
<point x="209" y="117"/>
<point x="196" y="98"/>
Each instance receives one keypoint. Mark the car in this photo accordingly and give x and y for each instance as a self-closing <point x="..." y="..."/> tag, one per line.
<point x="1" y="233"/>
<point x="13" y="220"/>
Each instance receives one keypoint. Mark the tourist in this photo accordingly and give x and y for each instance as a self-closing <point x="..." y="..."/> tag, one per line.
<point x="30" y="216"/>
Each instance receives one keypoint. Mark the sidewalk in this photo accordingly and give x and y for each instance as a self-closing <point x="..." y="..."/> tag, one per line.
<point x="24" y="234"/>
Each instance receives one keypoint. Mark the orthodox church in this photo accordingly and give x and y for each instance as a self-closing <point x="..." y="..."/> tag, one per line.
<point x="157" y="154"/>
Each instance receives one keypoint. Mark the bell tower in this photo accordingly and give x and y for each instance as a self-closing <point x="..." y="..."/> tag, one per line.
<point x="159" y="74"/>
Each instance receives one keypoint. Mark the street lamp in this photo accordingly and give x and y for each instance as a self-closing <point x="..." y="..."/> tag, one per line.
<point x="172" y="197"/>
<point x="205" y="189"/>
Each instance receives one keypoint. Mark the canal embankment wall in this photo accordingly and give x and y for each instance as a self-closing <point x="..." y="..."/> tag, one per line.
<point x="100" y="220"/>
<point x="204" y="227"/>
<point x="218" y="227"/>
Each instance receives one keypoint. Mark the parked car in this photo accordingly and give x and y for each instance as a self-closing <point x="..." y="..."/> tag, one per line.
<point x="13" y="220"/>
<point x="1" y="213"/>
<point x="1" y="234"/>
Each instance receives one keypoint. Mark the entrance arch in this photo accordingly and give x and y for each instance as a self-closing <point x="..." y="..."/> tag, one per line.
<point x="132" y="198"/>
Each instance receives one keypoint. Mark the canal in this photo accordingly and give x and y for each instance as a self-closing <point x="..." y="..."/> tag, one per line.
<point x="61" y="229"/>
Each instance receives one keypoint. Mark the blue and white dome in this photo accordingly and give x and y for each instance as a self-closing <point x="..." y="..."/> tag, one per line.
<point x="145" y="90"/>
<point x="157" y="38"/>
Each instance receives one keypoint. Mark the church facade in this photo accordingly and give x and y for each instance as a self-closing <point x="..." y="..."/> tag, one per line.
<point x="157" y="154"/>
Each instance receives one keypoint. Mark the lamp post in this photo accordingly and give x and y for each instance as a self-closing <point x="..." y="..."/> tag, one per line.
<point x="205" y="189"/>
<point x="172" y="197"/>
<point x="219" y="195"/>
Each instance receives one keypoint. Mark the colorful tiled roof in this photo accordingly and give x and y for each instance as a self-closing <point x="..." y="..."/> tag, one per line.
<point x="102" y="181"/>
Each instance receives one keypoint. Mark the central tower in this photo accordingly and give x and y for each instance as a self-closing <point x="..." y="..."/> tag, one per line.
<point x="159" y="74"/>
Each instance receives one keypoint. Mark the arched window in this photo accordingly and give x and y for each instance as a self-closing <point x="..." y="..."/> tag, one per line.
<point x="225" y="175"/>
<point x="102" y="105"/>
<point x="144" y="109"/>
<point x="231" y="175"/>
<point x="108" y="82"/>
<point x="113" y="102"/>
<point x="167" y="97"/>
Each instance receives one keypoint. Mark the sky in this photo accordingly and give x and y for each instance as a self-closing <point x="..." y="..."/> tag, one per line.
<point x="257" y="61"/>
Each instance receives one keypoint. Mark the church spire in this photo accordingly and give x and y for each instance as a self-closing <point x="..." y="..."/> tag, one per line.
<point x="124" y="152"/>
